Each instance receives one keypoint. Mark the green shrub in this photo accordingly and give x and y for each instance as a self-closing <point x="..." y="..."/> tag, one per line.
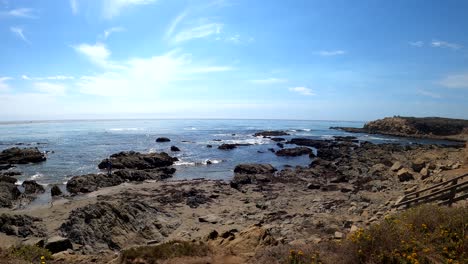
<point x="28" y="253"/>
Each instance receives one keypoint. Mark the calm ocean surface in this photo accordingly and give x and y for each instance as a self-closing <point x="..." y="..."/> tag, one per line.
<point x="79" y="146"/>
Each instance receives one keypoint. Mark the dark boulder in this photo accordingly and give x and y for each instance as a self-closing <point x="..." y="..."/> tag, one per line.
<point x="6" y="166"/>
<point x="209" y="146"/>
<point x="136" y="160"/>
<point x="32" y="187"/>
<point x="21" y="156"/>
<point x="254" y="169"/>
<point x="58" y="244"/>
<point x="55" y="191"/>
<point x="163" y="139"/>
<point x="280" y="145"/>
<point x="329" y="154"/>
<point x="9" y="192"/>
<point x="294" y="152"/>
<point x="271" y="134"/>
<point x="174" y="148"/>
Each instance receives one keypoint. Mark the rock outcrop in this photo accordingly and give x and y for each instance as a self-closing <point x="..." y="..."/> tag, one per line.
<point x="231" y="146"/>
<point x="271" y="134"/>
<point x="9" y="192"/>
<point x="22" y="225"/>
<point x="162" y="139"/>
<point x="32" y="187"/>
<point x="106" y="225"/>
<point x="252" y="168"/>
<point x="21" y="156"/>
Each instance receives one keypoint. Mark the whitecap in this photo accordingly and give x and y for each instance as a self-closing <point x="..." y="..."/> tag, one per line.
<point x="36" y="176"/>
<point x="125" y="129"/>
<point x="184" y="163"/>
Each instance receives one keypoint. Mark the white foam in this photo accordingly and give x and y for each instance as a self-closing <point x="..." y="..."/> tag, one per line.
<point x="254" y="141"/>
<point x="125" y="129"/>
<point x="184" y="163"/>
<point x="36" y="176"/>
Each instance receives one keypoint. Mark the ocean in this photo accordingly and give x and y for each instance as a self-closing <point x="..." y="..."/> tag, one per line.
<point x="76" y="147"/>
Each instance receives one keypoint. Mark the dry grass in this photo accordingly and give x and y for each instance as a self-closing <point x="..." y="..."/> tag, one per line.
<point x="168" y="250"/>
<point x="428" y="234"/>
<point x="24" y="254"/>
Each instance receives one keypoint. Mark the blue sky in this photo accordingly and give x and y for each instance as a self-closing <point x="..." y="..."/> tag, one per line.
<point x="328" y="60"/>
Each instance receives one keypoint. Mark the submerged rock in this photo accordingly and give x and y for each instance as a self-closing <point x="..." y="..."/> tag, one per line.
<point x="162" y="139"/>
<point x="174" y="148"/>
<point x="231" y="146"/>
<point x="21" y="156"/>
<point x="309" y="142"/>
<point x="271" y="134"/>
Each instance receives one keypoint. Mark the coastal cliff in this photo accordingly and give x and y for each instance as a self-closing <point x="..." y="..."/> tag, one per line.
<point x="418" y="127"/>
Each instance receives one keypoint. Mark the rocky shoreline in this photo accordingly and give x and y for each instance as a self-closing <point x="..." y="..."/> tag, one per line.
<point x="347" y="185"/>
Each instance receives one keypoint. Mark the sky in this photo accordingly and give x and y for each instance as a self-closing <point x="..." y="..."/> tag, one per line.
<point x="298" y="59"/>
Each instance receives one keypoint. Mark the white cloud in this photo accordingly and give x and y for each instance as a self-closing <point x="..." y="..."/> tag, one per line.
<point x="269" y="81"/>
<point x="302" y="90"/>
<point x="52" y="78"/>
<point x="19" y="12"/>
<point x="97" y="53"/>
<point x="18" y="31"/>
<point x="416" y="44"/>
<point x="111" y="30"/>
<point x="428" y="93"/>
<point x="74" y="6"/>
<point x="455" y="80"/>
<point x="146" y="76"/>
<point x="52" y="89"/>
<point x="4" y="87"/>
<point x="200" y="31"/>
<point x="331" y="52"/>
<point x="113" y="8"/>
<point x="445" y="44"/>
<point x="172" y="27"/>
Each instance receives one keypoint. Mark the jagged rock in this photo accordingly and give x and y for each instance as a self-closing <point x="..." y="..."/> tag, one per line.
<point x="58" y="244"/>
<point x="246" y="241"/>
<point x="294" y="152"/>
<point x="280" y="145"/>
<point x="271" y="134"/>
<point x="174" y="148"/>
<point x="92" y="182"/>
<point x="32" y="187"/>
<point x="55" y="191"/>
<point x="418" y="164"/>
<point x="106" y="225"/>
<point x="139" y="161"/>
<point x="254" y="169"/>
<point x="21" y="225"/>
<point x="162" y="139"/>
<point x="405" y="175"/>
<point x="328" y="154"/>
<point x="396" y="166"/>
<point x="424" y="173"/>
<point x="338" y="235"/>
<point x="241" y="179"/>
<point x="21" y="156"/>
<point x="6" y="166"/>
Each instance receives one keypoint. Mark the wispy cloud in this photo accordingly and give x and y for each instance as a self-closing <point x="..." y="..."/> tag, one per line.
<point x="113" y="8"/>
<point x="18" y="31"/>
<point x="268" y="81"/>
<point x="53" y="89"/>
<point x="445" y="44"/>
<point x="74" y="6"/>
<point x="51" y="78"/>
<point x="302" y="90"/>
<point x="111" y="30"/>
<point x="459" y="80"/>
<point x="173" y="25"/>
<point x="199" y="31"/>
<point x="417" y="44"/>
<point x="428" y="93"/>
<point x="4" y="87"/>
<point x="328" y="53"/>
<point x="19" y="12"/>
